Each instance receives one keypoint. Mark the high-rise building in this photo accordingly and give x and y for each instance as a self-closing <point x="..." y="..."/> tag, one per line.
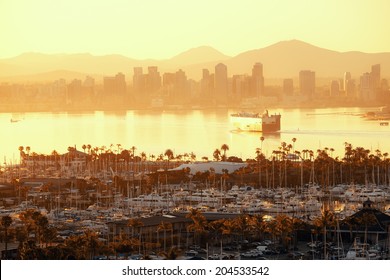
<point x="154" y="79"/>
<point x="350" y="88"/>
<point x="288" y="87"/>
<point x="241" y="85"/>
<point x="376" y="76"/>
<point x="307" y="83"/>
<point x="376" y="80"/>
<point x="347" y="78"/>
<point x="257" y="80"/>
<point x="181" y="85"/>
<point x="115" y="85"/>
<point x="138" y="80"/>
<point x="334" y="88"/>
<point x="366" y="89"/>
<point x="206" y="84"/>
<point x="221" y="82"/>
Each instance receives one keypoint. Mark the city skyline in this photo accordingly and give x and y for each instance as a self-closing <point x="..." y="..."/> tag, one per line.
<point x="160" y="30"/>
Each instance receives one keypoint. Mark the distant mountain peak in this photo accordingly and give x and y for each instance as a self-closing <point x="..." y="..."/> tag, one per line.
<point x="293" y="44"/>
<point x="280" y="60"/>
<point x="198" y="55"/>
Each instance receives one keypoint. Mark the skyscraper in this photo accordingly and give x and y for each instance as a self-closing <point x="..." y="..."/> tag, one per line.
<point x="206" y="84"/>
<point x="115" y="85"/>
<point x="366" y="89"/>
<point x="257" y="80"/>
<point x="376" y="76"/>
<point x="347" y="78"/>
<point x="138" y="80"/>
<point x="376" y="80"/>
<point x="334" y="88"/>
<point x="221" y="82"/>
<point x="307" y="83"/>
<point x="154" y="79"/>
<point x="288" y="87"/>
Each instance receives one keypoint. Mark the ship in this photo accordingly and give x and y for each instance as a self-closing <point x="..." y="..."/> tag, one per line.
<point x="256" y="122"/>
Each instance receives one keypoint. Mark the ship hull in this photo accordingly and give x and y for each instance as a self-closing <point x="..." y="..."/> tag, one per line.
<point x="256" y="123"/>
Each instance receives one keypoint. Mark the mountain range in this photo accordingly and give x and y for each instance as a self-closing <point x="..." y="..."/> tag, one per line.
<point x="281" y="60"/>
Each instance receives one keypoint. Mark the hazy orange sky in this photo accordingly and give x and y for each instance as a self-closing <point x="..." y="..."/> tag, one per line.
<point x="163" y="28"/>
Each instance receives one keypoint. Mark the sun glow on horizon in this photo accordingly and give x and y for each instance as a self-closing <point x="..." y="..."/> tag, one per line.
<point x="162" y="29"/>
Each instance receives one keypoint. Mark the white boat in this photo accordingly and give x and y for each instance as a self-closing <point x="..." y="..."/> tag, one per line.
<point x="149" y="201"/>
<point x="255" y="122"/>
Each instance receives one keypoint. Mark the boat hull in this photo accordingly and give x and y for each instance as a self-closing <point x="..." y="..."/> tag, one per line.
<point x="255" y="122"/>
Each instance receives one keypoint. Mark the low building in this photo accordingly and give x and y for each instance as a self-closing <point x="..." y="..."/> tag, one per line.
<point x="369" y="223"/>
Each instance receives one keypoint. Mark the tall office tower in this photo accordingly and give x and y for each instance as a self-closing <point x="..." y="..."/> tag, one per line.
<point x="89" y="82"/>
<point x="89" y="85"/>
<point x="288" y="87"/>
<point x="168" y="79"/>
<point x="350" y="88"/>
<point x="307" y="83"/>
<point x="206" y="84"/>
<point x="74" y="90"/>
<point x="257" y="80"/>
<point x="221" y="82"/>
<point x="384" y="85"/>
<point x="115" y="85"/>
<point x="376" y="76"/>
<point x="154" y="79"/>
<point x="241" y="85"/>
<point x="180" y="85"/>
<point x="138" y="79"/>
<point x="347" y="78"/>
<point x="334" y="88"/>
<point x="366" y="89"/>
<point x="376" y="80"/>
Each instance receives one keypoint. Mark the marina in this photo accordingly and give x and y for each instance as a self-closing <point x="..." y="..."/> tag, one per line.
<point x="154" y="198"/>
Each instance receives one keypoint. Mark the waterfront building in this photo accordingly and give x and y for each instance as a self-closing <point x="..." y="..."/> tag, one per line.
<point x="206" y="84"/>
<point x="154" y="79"/>
<point x="257" y="80"/>
<point x="240" y="86"/>
<point x="288" y="87"/>
<point x="115" y="85"/>
<point x="334" y="88"/>
<point x="221" y="82"/>
<point x="369" y="224"/>
<point x="366" y="89"/>
<point x="181" y="92"/>
<point x="138" y="80"/>
<point x="307" y="83"/>
<point x="346" y="80"/>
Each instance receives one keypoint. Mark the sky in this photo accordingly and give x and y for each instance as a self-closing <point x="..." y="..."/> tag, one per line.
<point x="161" y="29"/>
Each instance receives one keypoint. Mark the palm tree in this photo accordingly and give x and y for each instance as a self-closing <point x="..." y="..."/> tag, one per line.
<point x="241" y="225"/>
<point x="6" y="222"/>
<point x="224" y="148"/>
<point x="217" y="155"/>
<point x="293" y="145"/>
<point x="92" y="243"/>
<point x="21" y="152"/>
<point x="169" y="154"/>
<point x="42" y="224"/>
<point x="199" y="223"/>
<point x="134" y="223"/>
<point x="325" y="221"/>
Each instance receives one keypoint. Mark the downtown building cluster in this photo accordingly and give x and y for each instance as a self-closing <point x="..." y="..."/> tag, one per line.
<point x="148" y="88"/>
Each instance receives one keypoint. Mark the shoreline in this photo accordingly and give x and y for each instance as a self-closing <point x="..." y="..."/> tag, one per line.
<point x="180" y="108"/>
